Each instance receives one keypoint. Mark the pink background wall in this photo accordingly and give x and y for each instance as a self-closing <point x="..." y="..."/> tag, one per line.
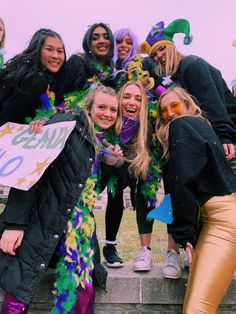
<point x="213" y="23"/>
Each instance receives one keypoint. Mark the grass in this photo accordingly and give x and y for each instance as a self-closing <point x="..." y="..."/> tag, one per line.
<point x="128" y="242"/>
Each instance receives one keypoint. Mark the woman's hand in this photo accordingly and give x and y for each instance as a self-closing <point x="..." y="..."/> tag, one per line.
<point x="36" y="127"/>
<point x="190" y="253"/>
<point x="37" y="124"/>
<point x="116" y="150"/>
<point x="11" y="240"/>
<point x="229" y="150"/>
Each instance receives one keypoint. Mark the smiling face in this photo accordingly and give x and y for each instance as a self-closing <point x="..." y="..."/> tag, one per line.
<point x="131" y="101"/>
<point x="100" y="42"/>
<point x="159" y="54"/>
<point x="52" y="54"/>
<point x="104" y="110"/>
<point x="124" y="46"/>
<point x="172" y="106"/>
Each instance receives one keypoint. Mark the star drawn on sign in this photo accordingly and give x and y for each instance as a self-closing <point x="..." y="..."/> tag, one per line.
<point x="20" y="181"/>
<point x="40" y="166"/>
<point x="31" y="183"/>
<point x="7" y="130"/>
<point x="21" y="128"/>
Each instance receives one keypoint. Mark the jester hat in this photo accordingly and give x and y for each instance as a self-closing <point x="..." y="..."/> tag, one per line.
<point x="161" y="35"/>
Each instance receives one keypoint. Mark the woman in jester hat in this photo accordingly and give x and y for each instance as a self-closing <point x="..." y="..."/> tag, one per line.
<point x="204" y="82"/>
<point x="54" y="219"/>
<point x="2" y="41"/>
<point x="202" y="185"/>
<point x="32" y="78"/>
<point x="130" y="66"/>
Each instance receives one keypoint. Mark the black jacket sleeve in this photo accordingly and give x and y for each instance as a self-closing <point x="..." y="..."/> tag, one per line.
<point x="23" y="103"/>
<point x="201" y="84"/>
<point x="187" y="158"/>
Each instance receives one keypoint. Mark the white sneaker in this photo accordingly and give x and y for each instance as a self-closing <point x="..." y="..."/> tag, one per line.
<point x="172" y="267"/>
<point x="143" y="261"/>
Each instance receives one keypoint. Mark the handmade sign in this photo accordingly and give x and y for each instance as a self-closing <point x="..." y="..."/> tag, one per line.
<point x="163" y="212"/>
<point x="25" y="155"/>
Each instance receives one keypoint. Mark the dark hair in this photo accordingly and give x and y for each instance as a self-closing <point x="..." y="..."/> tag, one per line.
<point x="26" y="64"/>
<point x="87" y="43"/>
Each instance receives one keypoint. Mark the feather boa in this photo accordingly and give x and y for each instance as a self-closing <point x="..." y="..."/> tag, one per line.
<point x="47" y="106"/>
<point x="75" y="266"/>
<point x="75" y="99"/>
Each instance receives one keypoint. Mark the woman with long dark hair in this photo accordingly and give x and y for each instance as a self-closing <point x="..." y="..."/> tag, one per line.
<point x="31" y="79"/>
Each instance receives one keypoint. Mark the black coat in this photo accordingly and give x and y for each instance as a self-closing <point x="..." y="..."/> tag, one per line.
<point x="77" y="71"/>
<point x="206" y="84"/>
<point x="17" y="104"/>
<point x="44" y="210"/>
<point x="197" y="171"/>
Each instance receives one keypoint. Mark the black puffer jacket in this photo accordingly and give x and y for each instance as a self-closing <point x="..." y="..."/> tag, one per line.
<point x="44" y="210"/>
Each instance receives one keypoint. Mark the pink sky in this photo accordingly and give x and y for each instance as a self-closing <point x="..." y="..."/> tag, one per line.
<point x="213" y="23"/>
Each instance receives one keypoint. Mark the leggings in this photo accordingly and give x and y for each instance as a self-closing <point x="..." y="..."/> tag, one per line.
<point x="142" y="209"/>
<point x="214" y="259"/>
<point x="115" y="208"/>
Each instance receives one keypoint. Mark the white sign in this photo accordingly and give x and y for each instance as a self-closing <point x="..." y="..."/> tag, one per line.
<point x="25" y="155"/>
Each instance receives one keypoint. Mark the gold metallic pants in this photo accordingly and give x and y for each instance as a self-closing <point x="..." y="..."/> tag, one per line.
<point x="214" y="260"/>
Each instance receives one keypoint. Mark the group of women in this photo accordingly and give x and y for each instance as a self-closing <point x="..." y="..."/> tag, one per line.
<point x="127" y="139"/>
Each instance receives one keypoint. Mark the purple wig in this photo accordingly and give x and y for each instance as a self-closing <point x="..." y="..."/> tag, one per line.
<point x="119" y="35"/>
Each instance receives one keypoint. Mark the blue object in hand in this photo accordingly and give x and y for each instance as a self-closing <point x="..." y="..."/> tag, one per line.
<point x="163" y="212"/>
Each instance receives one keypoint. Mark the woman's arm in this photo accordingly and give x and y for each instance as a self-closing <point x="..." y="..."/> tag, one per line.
<point x="187" y="158"/>
<point x="200" y="83"/>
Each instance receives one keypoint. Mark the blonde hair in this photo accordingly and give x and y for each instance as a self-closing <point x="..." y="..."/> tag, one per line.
<point x="139" y="156"/>
<point x="2" y="43"/>
<point x="162" y="126"/>
<point x="88" y="104"/>
<point x="173" y="58"/>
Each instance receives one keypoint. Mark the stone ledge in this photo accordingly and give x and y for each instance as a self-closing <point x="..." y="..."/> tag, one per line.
<point x="133" y="293"/>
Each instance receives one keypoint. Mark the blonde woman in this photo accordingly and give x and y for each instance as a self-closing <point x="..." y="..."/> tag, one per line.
<point x="201" y="182"/>
<point x="54" y="224"/>
<point x="201" y="80"/>
<point x="133" y="141"/>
